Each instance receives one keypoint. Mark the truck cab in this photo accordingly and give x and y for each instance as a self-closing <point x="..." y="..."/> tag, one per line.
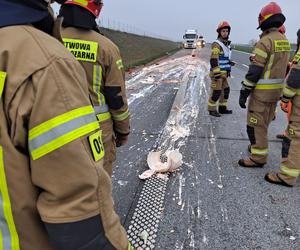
<point x="190" y="39"/>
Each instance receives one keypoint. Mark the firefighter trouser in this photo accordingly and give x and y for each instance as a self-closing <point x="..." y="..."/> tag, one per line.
<point x="219" y="93"/>
<point x="290" y="164"/>
<point x="260" y="114"/>
<point x="82" y="235"/>
<point x="109" y="145"/>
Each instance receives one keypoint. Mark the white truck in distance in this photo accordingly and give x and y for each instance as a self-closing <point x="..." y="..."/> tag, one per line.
<point x="190" y="39"/>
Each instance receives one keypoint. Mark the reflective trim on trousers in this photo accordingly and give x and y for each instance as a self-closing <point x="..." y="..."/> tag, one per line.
<point x="293" y="172"/>
<point x="262" y="152"/>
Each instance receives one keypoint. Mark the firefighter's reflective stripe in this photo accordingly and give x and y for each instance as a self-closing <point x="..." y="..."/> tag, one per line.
<point x="269" y="67"/>
<point x="289" y="92"/>
<point x="102" y="113"/>
<point x="212" y="104"/>
<point x="260" y="53"/>
<point x="101" y="109"/>
<point x="61" y="130"/>
<point x="216" y="70"/>
<point x="248" y="84"/>
<point x="290" y="171"/>
<point x="282" y="46"/>
<point x="129" y="247"/>
<point x="9" y="239"/>
<point x="2" y="81"/>
<point x="297" y="57"/>
<point x="81" y="49"/>
<point x="97" y="80"/>
<point x="122" y="116"/>
<point x="120" y="64"/>
<point x="256" y="151"/>
<point x="270" y="84"/>
<point x="83" y="2"/>
<point x="222" y="103"/>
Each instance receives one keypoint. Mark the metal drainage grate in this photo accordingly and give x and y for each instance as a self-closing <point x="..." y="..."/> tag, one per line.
<point x="143" y="226"/>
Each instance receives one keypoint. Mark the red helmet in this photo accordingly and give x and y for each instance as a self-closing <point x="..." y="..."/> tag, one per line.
<point x="282" y="29"/>
<point x="93" y="6"/>
<point x="223" y="25"/>
<point x="268" y="11"/>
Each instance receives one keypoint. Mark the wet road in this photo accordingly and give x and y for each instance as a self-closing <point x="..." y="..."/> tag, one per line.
<point x="211" y="203"/>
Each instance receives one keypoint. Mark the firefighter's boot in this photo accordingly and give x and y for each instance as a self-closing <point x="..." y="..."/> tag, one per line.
<point x="279" y="179"/>
<point x="214" y="113"/>
<point x="224" y="110"/>
<point x="249" y="163"/>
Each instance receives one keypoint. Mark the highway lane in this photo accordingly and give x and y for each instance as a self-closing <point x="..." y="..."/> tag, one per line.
<point x="211" y="203"/>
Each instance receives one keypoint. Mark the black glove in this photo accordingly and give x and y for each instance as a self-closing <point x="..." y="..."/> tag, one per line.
<point x="121" y="139"/>
<point x="232" y="63"/>
<point x="244" y="93"/>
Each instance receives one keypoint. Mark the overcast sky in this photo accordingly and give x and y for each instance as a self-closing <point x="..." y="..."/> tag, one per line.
<point x="170" y="18"/>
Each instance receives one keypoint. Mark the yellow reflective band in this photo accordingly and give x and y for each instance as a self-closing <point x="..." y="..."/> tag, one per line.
<point x="297" y="57"/>
<point x="81" y="2"/>
<point x="97" y="80"/>
<point x="268" y="71"/>
<point x="248" y="83"/>
<point x="81" y="49"/>
<point x="269" y="86"/>
<point x="293" y="172"/>
<point x="256" y="151"/>
<point x="212" y="104"/>
<point x="282" y="46"/>
<point x="61" y="130"/>
<point x="129" y="246"/>
<point x="103" y="117"/>
<point x="96" y="144"/>
<point x="215" y="51"/>
<point x="120" y="64"/>
<point x="223" y="104"/>
<point x="216" y="70"/>
<point x="9" y="237"/>
<point x="2" y="81"/>
<point x="260" y="52"/>
<point x="52" y="123"/>
<point x="289" y="92"/>
<point x="122" y="116"/>
<point x="253" y="120"/>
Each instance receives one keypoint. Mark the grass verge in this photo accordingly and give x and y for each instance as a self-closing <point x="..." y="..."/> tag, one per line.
<point x="138" y="50"/>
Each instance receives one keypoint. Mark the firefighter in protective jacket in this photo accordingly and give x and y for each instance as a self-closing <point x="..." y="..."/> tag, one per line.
<point x="54" y="192"/>
<point x="220" y="62"/>
<point x="103" y="65"/>
<point x="290" y="164"/>
<point x="264" y="83"/>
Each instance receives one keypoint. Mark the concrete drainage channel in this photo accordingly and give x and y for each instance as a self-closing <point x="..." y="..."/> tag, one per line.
<point x="144" y="224"/>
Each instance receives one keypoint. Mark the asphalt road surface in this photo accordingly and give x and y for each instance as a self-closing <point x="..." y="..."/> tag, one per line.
<point x="211" y="202"/>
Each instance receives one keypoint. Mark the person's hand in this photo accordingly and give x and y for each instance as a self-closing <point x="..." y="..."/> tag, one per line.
<point x="244" y="93"/>
<point x="121" y="139"/>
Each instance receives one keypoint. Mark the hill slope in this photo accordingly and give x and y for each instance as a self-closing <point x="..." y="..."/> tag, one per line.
<point x="137" y="50"/>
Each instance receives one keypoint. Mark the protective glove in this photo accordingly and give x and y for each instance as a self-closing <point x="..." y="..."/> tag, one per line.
<point x="121" y="139"/>
<point x="244" y="93"/>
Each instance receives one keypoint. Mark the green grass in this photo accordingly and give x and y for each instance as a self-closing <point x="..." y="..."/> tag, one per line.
<point x="138" y="50"/>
